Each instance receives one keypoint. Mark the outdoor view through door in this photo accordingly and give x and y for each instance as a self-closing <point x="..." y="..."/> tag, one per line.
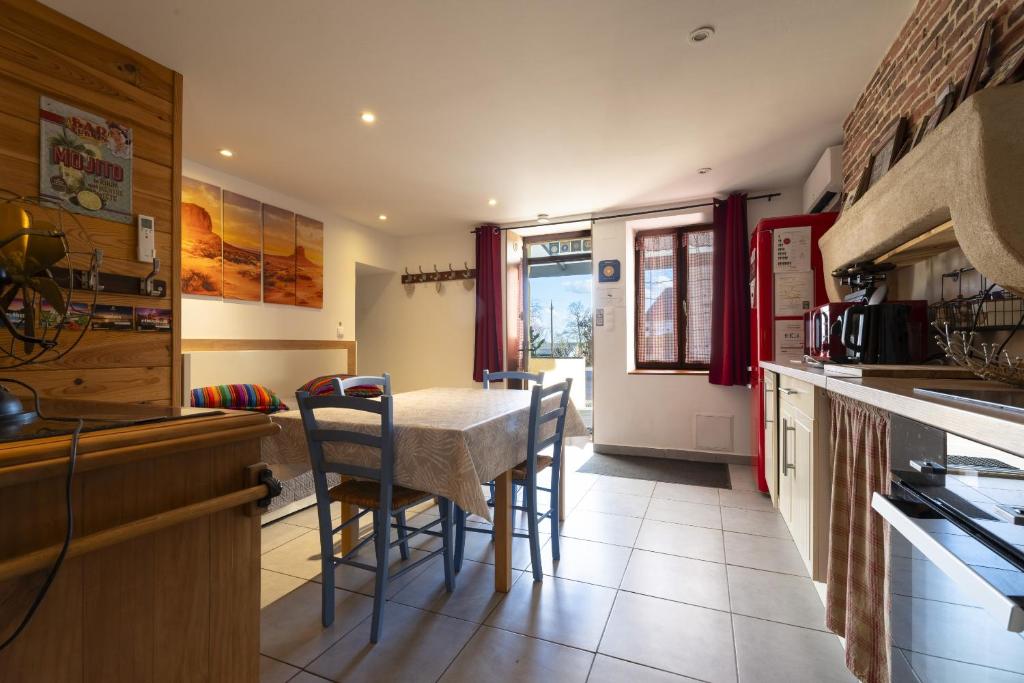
<point x="559" y="340"/>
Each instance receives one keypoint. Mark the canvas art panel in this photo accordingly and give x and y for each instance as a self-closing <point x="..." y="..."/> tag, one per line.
<point x="242" y="247"/>
<point x="309" y="262"/>
<point x="201" y="239"/>
<point x="278" y="256"/>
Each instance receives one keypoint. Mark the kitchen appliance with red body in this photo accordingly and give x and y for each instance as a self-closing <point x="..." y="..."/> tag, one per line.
<point x="787" y="282"/>
<point x="824" y="340"/>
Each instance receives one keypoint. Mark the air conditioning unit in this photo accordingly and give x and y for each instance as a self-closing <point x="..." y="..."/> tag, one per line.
<point x="825" y="184"/>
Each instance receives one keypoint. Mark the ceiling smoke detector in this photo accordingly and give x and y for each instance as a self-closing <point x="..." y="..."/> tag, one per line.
<point x="702" y="34"/>
<point x="704" y="171"/>
<point x="542" y="218"/>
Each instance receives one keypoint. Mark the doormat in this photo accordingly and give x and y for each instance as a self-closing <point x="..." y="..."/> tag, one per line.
<point x="713" y="474"/>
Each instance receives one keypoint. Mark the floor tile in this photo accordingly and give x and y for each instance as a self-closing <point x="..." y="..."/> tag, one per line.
<point x="678" y="578"/>
<point x="480" y="548"/>
<point x="635" y="487"/>
<point x="775" y="653"/>
<point x="680" y="512"/>
<point x="748" y="500"/>
<point x="306" y="677"/>
<point x="496" y="655"/>
<point x="778" y="597"/>
<point x="299" y="557"/>
<point x="610" y="670"/>
<point x="754" y="522"/>
<point x="278" y="533"/>
<point x="274" y="586"/>
<point x="614" y="503"/>
<point x="273" y="671"/>
<point x="742" y="477"/>
<point x="684" y="639"/>
<point x="308" y="517"/>
<point x="559" y="610"/>
<point x="291" y="630"/>
<point x="590" y="562"/>
<point x="762" y="552"/>
<point x="687" y="493"/>
<point x="681" y="539"/>
<point x="601" y="527"/>
<point x="414" y="646"/>
<point x="473" y="598"/>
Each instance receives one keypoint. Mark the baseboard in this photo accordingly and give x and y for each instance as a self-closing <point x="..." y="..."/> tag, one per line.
<point x="285" y="510"/>
<point x="675" y="454"/>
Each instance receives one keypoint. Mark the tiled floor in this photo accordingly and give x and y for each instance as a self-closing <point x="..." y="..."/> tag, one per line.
<point x="658" y="582"/>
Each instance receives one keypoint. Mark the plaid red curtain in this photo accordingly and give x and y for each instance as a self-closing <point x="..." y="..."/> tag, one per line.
<point x="730" y="312"/>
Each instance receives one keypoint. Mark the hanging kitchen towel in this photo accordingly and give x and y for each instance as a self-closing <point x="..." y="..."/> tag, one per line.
<point x="857" y="598"/>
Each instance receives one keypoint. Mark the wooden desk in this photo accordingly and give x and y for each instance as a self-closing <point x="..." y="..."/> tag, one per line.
<point x="180" y="603"/>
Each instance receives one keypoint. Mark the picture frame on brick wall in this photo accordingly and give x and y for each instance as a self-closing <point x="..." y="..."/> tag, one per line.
<point x="1010" y="69"/>
<point x="979" y="62"/>
<point x="887" y="152"/>
<point x="944" y="105"/>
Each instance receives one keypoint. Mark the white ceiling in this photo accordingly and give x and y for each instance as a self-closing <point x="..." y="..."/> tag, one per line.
<point x="550" y="106"/>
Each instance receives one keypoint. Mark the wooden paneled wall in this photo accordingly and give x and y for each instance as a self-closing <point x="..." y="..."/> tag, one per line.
<point x="45" y="53"/>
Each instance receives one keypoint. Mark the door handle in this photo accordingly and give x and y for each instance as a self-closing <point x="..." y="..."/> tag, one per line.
<point x="788" y="392"/>
<point x="786" y="465"/>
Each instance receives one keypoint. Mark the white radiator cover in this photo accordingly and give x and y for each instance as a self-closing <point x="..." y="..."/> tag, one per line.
<point x="713" y="432"/>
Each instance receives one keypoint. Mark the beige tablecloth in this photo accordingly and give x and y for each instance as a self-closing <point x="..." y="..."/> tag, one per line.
<point x="447" y="441"/>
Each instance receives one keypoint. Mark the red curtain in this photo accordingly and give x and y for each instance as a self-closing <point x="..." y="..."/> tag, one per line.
<point x="488" y="353"/>
<point x="730" y="317"/>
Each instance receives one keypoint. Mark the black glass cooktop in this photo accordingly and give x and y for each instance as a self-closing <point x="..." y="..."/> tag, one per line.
<point x="1003" y="399"/>
<point x="61" y="417"/>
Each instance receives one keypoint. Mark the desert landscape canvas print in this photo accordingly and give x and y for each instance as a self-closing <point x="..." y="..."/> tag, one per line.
<point x="242" y="243"/>
<point x="201" y="231"/>
<point x="309" y="262"/>
<point x="278" y="256"/>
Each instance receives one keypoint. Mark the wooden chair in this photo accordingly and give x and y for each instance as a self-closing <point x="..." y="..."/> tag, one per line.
<point x="525" y="473"/>
<point x="372" y="492"/>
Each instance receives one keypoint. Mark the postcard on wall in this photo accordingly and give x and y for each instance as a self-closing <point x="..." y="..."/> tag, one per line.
<point x="201" y="231"/>
<point x="309" y="262"/>
<point x="278" y="256"/>
<point x="16" y="313"/>
<point x="106" y="317"/>
<point x="792" y="250"/>
<point x="76" y="318"/>
<point x="793" y="293"/>
<point x="85" y="162"/>
<point x="152" y="319"/>
<point x="789" y="340"/>
<point x="243" y="230"/>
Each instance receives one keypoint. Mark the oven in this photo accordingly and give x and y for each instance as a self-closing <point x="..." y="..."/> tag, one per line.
<point x="956" y="561"/>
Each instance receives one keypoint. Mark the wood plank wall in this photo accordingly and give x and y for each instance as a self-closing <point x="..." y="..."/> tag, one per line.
<point x="45" y="53"/>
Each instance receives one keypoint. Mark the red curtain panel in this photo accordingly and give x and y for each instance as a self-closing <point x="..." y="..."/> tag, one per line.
<point x="488" y="348"/>
<point x="730" y="317"/>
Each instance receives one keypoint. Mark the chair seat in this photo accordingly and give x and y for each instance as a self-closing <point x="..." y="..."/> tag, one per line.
<point x="519" y="471"/>
<point x="366" y="494"/>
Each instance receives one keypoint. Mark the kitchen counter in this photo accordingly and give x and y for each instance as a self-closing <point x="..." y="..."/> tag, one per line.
<point x="997" y="428"/>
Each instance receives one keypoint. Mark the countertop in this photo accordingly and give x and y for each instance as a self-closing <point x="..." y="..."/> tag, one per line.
<point x="997" y="428"/>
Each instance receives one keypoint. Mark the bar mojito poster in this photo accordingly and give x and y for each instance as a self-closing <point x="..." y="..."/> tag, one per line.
<point x="85" y="162"/>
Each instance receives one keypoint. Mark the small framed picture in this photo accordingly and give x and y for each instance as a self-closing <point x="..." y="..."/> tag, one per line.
<point x="565" y="248"/>
<point x="887" y="152"/>
<point x="1009" y="70"/>
<point x="552" y="248"/>
<point x="979" y="62"/>
<point x="587" y="245"/>
<point x="576" y="245"/>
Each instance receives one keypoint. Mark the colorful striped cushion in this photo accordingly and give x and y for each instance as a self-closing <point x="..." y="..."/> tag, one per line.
<point x="238" y="397"/>
<point x="321" y="386"/>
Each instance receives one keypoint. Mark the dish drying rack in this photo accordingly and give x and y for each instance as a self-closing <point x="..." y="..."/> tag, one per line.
<point x="988" y="309"/>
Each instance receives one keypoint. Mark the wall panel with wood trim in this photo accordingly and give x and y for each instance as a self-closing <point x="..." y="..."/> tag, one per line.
<point x="43" y="53"/>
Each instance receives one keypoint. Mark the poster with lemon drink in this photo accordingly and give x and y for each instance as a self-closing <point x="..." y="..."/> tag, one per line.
<point x="85" y="162"/>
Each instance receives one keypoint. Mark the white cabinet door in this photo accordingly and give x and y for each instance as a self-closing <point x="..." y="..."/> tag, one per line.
<point x="785" y="448"/>
<point x="770" y="434"/>
<point x="802" y="435"/>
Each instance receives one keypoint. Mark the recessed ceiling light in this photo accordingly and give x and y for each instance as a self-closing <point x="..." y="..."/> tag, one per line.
<point x="382" y="217"/>
<point x="704" y="171"/>
<point x="368" y="117"/>
<point x="226" y="153"/>
<point x="702" y="34"/>
<point x="542" y="218"/>
<point x="492" y="202"/>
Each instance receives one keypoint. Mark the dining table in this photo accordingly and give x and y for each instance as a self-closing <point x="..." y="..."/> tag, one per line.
<point x="448" y="441"/>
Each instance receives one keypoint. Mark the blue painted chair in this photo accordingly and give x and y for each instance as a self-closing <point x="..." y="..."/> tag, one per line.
<point x="372" y="492"/>
<point x="524" y="475"/>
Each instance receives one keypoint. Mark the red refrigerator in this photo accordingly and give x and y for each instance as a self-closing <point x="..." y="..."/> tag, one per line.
<point x="786" y="282"/>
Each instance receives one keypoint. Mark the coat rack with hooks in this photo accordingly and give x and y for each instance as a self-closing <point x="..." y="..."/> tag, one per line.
<point x="465" y="273"/>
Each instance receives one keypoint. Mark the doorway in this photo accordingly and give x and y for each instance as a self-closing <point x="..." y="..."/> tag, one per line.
<point x="558" y="296"/>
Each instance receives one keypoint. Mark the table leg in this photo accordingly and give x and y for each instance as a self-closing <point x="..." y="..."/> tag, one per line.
<point x="350" y="534"/>
<point x="503" y="532"/>
<point x="561" y="487"/>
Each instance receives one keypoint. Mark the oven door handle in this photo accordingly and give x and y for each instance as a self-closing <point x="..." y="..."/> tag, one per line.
<point x="1003" y="608"/>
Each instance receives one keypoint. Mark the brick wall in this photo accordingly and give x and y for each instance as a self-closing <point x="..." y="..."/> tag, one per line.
<point x="935" y="46"/>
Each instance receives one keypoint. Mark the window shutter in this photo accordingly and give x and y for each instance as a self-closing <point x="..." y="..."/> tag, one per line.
<point x="699" y="268"/>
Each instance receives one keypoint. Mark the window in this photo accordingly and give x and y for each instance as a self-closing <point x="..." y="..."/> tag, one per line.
<point x="673" y="298"/>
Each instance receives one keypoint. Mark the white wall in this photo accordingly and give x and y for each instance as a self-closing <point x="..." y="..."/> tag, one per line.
<point x="345" y="243"/>
<point x="649" y="410"/>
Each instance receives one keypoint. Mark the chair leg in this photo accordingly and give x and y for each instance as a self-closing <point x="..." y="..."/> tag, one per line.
<point x="531" y="512"/>
<point x="404" y="548"/>
<point x="323" y="509"/>
<point x="554" y="498"/>
<point x="460" y="537"/>
<point x="447" y="553"/>
<point x="382" y="539"/>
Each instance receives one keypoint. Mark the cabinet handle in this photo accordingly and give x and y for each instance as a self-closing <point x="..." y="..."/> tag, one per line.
<point x="786" y="465"/>
<point x="788" y="392"/>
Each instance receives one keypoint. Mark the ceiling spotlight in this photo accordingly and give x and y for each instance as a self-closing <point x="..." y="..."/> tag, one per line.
<point x="542" y="218"/>
<point x="226" y="153"/>
<point x="702" y="34"/>
<point x="704" y="171"/>
<point x="492" y="202"/>
<point x="368" y="117"/>
<point x="382" y="217"/>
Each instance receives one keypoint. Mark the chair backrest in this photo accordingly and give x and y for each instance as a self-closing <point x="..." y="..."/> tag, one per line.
<point x="317" y="435"/>
<point x="535" y="444"/>
<point x="536" y="378"/>
<point x="340" y="385"/>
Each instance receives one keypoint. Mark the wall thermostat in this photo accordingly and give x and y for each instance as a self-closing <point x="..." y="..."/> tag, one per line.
<point x="147" y="239"/>
<point x="608" y="270"/>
